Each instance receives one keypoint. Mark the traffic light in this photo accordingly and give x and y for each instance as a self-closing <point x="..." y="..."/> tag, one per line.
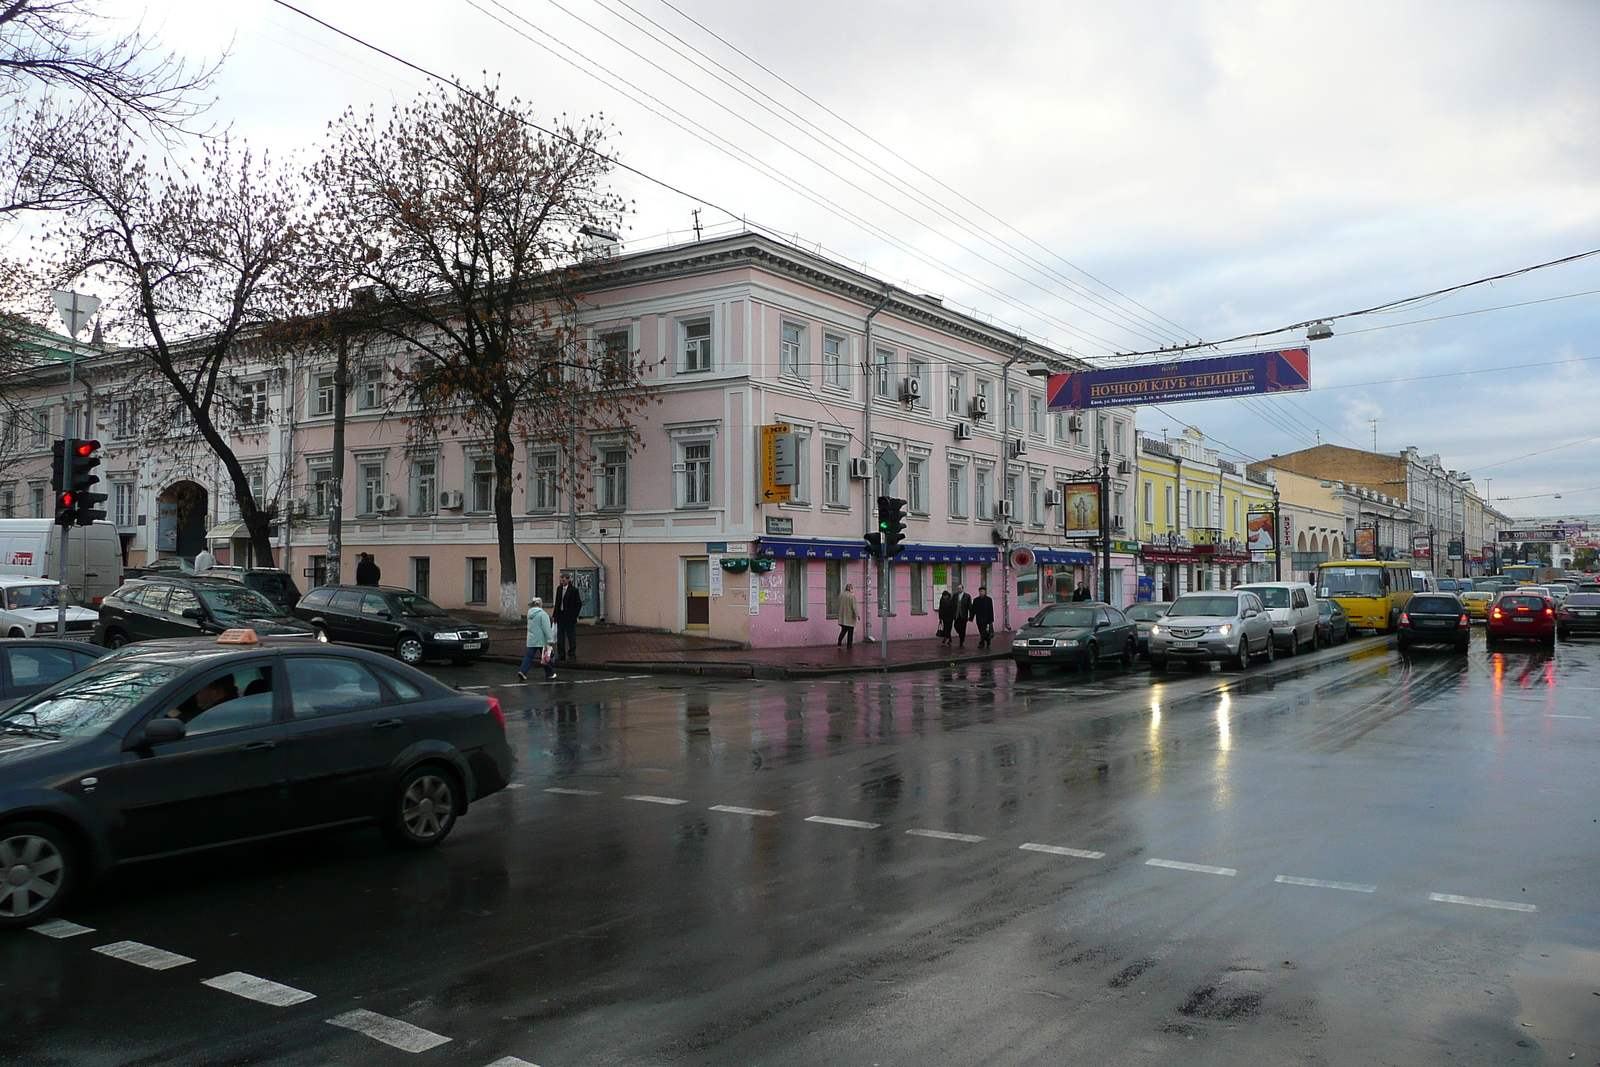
<point x="82" y="458"/>
<point x="892" y="522"/>
<point x="60" y="482"/>
<point x="875" y="538"/>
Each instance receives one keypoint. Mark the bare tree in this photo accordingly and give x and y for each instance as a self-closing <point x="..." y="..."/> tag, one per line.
<point x="465" y="220"/>
<point x="194" y="265"/>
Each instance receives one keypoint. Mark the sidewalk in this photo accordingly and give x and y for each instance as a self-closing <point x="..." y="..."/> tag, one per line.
<point x="625" y="648"/>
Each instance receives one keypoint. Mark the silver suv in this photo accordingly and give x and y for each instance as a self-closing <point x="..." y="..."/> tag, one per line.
<point x="1225" y="625"/>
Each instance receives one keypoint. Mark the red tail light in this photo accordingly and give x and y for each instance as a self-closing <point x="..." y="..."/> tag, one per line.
<point x="1465" y="623"/>
<point x="1405" y="620"/>
<point x="1549" y="611"/>
<point x="494" y="708"/>
<point x="1497" y="614"/>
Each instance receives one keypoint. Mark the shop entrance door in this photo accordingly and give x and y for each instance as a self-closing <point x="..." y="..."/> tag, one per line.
<point x="697" y="593"/>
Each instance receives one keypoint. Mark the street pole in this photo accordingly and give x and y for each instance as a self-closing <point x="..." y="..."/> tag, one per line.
<point x="883" y="586"/>
<point x="1277" y="536"/>
<point x="869" y="388"/>
<point x="1105" y="525"/>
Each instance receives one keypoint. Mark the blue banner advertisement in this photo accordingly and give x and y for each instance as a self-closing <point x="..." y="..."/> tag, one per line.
<point x="1284" y="371"/>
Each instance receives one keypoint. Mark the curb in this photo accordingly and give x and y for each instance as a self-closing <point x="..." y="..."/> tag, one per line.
<point x="763" y="672"/>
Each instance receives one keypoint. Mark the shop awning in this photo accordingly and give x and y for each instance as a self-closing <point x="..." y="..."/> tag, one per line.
<point x="951" y="554"/>
<point x="227" y="531"/>
<point x="1071" y="556"/>
<point x="809" y="548"/>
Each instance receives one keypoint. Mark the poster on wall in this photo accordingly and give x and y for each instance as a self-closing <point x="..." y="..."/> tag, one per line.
<point x="755" y="593"/>
<point x="1366" y="542"/>
<point x="1421" y="546"/>
<point x="1081" y="502"/>
<point x="1260" y="531"/>
<point x="715" y="576"/>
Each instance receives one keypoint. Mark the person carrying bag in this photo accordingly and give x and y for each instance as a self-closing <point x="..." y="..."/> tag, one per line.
<point x="541" y="641"/>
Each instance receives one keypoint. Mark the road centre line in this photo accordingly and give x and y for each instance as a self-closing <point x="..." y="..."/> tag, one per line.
<point x="1481" y="902"/>
<point x="574" y="792"/>
<point x="59" y="928"/>
<point x="852" y="823"/>
<point x="1354" y="887"/>
<point x="1060" y="850"/>
<point x="1199" y="868"/>
<point x="392" y="1032"/>
<point x="260" y="990"/>
<point x="945" y="835"/>
<point x="646" y="798"/>
<point x="1552" y="715"/>
<point x="156" y="959"/>
<point x="730" y="809"/>
<point x="511" y="1061"/>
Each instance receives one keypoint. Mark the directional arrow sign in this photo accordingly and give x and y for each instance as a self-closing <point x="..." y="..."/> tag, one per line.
<point x="888" y="467"/>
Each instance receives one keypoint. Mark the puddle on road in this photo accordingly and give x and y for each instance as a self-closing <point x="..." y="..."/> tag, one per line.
<point x="1556" y="983"/>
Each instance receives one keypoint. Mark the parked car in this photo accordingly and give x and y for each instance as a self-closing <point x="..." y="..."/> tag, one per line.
<point x="1333" y="625"/>
<point x="1292" y="607"/>
<point x="148" y="608"/>
<point x="1450" y="585"/>
<point x="1435" y="619"/>
<point x="32" y="606"/>
<point x="1081" y="634"/>
<point x="161" y="566"/>
<point x="411" y="626"/>
<point x="1517" y="614"/>
<point x="155" y="752"/>
<point x="30" y="665"/>
<point x="276" y="585"/>
<point x="1229" y="626"/>
<point x="1144" y="616"/>
<point x="1579" y="614"/>
<point x="1477" y="603"/>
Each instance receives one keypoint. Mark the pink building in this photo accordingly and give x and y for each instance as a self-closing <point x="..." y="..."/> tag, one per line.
<point x="739" y="333"/>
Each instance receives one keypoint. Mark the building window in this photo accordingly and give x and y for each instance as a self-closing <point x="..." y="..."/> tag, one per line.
<point x="833" y="585"/>
<point x="1060" y="420"/>
<point x="322" y="393"/>
<point x="1236" y="515"/>
<point x="320" y="498"/>
<point x="1077" y="434"/>
<point x="616" y="355"/>
<point x="318" y="566"/>
<point x="1036" y="414"/>
<point x="123" y="502"/>
<point x="695" y="486"/>
<point x="253" y="402"/>
<point x="919" y="589"/>
<point x="371" y="487"/>
<point x="1101" y="441"/>
<point x="883" y="363"/>
<point x="1011" y="496"/>
<point x="36" y="491"/>
<point x="916" y="486"/>
<point x="1119" y="511"/>
<point x="917" y="371"/>
<point x="422" y="575"/>
<point x="121" y="419"/>
<point x="480" y="471"/>
<point x="544" y="578"/>
<point x="956" y="391"/>
<point x="41" y="429"/>
<point x="958" y="490"/>
<point x="833" y="479"/>
<point x="1118" y="445"/>
<point x="696" y="337"/>
<point x="257" y="476"/>
<point x="477" y="579"/>
<point x="8" y="502"/>
<point x="1013" y="402"/>
<point x="980" y="495"/>
<point x="800" y="491"/>
<point x="614" y="478"/>
<point x="1169" y="521"/>
<point x="1035" y="501"/>
<point x="794" y="589"/>
<point x="791" y="351"/>
<point x="369" y="391"/>
<point x="544" y="482"/>
<point x="1149" y="502"/>
<point x="833" y="361"/>
<point x="424" y="485"/>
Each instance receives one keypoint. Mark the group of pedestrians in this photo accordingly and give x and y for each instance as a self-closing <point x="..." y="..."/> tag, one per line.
<point x="958" y="608"/>
<point x="553" y="634"/>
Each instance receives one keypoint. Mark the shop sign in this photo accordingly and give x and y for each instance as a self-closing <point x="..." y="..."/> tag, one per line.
<point x="1284" y="370"/>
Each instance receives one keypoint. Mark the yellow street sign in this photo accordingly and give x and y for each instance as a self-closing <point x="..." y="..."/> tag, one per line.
<point x="771" y="491"/>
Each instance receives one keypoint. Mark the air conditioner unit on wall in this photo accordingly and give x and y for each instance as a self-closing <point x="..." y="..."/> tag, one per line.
<point x="451" y="499"/>
<point x="1075" y="423"/>
<point x="1052" y="498"/>
<point x="386" y="503"/>
<point x="1124" y="467"/>
<point x="1019" y="447"/>
<point x="860" y="468"/>
<point x="1002" y="509"/>
<point x="1119" y="524"/>
<point x="1003" y="532"/>
<point x="980" y="406"/>
<point x="911" y="389"/>
<point x="963" y="431"/>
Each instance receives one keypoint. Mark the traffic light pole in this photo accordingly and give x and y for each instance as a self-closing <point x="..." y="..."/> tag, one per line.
<point x="883" y="588"/>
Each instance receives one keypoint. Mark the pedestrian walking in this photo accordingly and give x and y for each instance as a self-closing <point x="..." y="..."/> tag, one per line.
<point x="568" y="606"/>
<point x="983" y="616"/>
<point x="367" y="572"/>
<point x="1082" y="592"/>
<point x="947" y="615"/>
<point x="849" y="615"/>
<point x="204" y="560"/>
<point x="541" y="641"/>
<point x="963" y="614"/>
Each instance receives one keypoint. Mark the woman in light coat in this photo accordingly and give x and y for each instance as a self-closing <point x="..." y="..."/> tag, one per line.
<point x="849" y="615"/>
<point x="541" y="640"/>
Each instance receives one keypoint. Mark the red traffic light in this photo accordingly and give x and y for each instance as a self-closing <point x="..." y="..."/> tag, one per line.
<point x="86" y="448"/>
<point x="66" y="500"/>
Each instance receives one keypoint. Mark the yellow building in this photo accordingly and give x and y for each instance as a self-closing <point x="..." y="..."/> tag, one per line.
<point x="1313" y="523"/>
<point x="1193" y="517"/>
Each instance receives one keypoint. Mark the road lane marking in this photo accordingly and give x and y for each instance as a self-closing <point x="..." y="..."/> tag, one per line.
<point x="157" y="959"/>
<point x="1549" y="715"/>
<point x="260" y="990"/>
<point x="1060" y="850"/>
<point x="646" y="798"/>
<point x="511" y="1061"/>
<point x="944" y="835"/>
<point x="852" y="823"/>
<point x="729" y="808"/>
<point x="59" y="928"/>
<point x="1354" y="887"/>
<point x="1481" y="902"/>
<point x="574" y="792"/>
<point x="1199" y="868"/>
<point x="392" y="1032"/>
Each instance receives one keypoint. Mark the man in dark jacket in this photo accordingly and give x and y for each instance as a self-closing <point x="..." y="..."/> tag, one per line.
<point x="983" y="615"/>
<point x="963" y="607"/>
<point x="367" y="572"/>
<point x="568" y="605"/>
<point x="1082" y="592"/>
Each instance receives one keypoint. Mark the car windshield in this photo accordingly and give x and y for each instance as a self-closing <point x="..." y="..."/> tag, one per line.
<point x="1523" y="603"/>
<point x="240" y="603"/>
<point x="87" y="703"/>
<point x="1584" y="600"/>
<point x="34" y="596"/>
<point x="1434" y="605"/>
<point x="1349" y="581"/>
<point x="1271" y="596"/>
<point x="1064" y="615"/>
<point x="1146" y="612"/>
<point x="418" y="606"/>
<point x="1221" y="606"/>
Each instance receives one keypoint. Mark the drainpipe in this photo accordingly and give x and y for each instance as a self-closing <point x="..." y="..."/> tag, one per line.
<point x="1005" y="473"/>
<point x="868" y="505"/>
<point x="572" y="513"/>
<point x="285" y="520"/>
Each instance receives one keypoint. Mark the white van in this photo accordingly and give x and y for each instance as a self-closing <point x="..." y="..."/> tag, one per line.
<point x="94" y="555"/>
<point x="1293" y="608"/>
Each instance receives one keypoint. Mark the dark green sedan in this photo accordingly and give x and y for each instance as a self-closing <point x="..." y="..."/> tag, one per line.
<point x="1082" y="634"/>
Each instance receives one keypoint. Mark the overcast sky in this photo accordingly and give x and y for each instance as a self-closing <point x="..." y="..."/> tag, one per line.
<point x="1225" y="167"/>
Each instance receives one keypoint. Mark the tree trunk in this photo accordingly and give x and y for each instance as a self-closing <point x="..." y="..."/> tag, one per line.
<point x="341" y="377"/>
<point x="505" y="533"/>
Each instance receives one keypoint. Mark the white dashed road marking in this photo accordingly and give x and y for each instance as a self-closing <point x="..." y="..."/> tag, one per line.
<point x="852" y="823"/>
<point x="574" y="792"/>
<point x="655" y="800"/>
<point x="944" y="835"/>
<point x="392" y="1032"/>
<point x="59" y="928"/>
<point x="1354" y="887"/>
<point x="1059" y="850"/>
<point x="512" y="1061"/>
<point x="1198" y="868"/>
<point x="1550" y="716"/>
<point x="157" y="959"/>
<point x="1481" y="902"/>
<point x="260" y="990"/>
<point x="730" y="809"/>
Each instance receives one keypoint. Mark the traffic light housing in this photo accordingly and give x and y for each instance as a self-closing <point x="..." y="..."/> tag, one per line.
<point x="61" y="481"/>
<point x="82" y="458"/>
<point x="892" y="524"/>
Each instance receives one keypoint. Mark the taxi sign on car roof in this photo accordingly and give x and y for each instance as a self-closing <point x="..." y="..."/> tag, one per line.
<point x="243" y="636"/>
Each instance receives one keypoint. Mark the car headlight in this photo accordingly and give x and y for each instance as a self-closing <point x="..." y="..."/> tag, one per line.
<point x="322" y="635"/>
<point x="1067" y="642"/>
<point x="449" y="635"/>
<point x="1225" y="629"/>
<point x="1021" y="642"/>
<point x="1155" y="629"/>
<point x="45" y="628"/>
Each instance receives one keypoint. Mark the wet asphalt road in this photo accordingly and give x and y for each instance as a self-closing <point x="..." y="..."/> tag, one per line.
<point x="1195" y="868"/>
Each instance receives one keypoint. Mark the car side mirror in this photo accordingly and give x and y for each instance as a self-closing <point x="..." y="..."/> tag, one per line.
<point x="385" y="615"/>
<point x="161" y="730"/>
<point x="1101" y="624"/>
<point x="193" y="613"/>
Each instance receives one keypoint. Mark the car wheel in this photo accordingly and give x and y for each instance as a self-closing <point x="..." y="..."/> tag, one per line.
<point x="1272" y="652"/>
<point x="1091" y="655"/>
<point x="37" y="870"/>
<point x="424" y="807"/>
<point x="116" y="639"/>
<point x="1463" y="647"/>
<point x="408" y="649"/>
<point x="1564" y="635"/>
<point x="16" y="633"/>
<point x="1294" y="644"/>
<point x="1158" y="663"/>
<point x="1243" y="659"/>
<point x="1126" y="659"/>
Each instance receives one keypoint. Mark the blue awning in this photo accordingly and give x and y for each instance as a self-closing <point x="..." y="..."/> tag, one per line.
<point x="809" y="548"/>
<point x="1071" y="556"/>
<point x="950" y="554"/>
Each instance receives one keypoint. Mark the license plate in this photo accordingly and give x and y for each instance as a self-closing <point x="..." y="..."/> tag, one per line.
<point x="1038" y="651"/>
<point x="472" y="645"/>
<point x="1184" y="644"/>
<point x="1521" y="620"/>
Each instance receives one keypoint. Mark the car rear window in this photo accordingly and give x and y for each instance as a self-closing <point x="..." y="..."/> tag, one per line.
<point x="1584" y="600"/>
<point x="1516" y="603"/>
<point x="1441" y="605"/>
<point x="316" y="598"/>
<point x="1271" y="595"/>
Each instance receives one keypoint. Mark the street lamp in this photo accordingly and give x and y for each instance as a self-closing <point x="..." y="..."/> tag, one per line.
<point x="1105" y="524"/>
